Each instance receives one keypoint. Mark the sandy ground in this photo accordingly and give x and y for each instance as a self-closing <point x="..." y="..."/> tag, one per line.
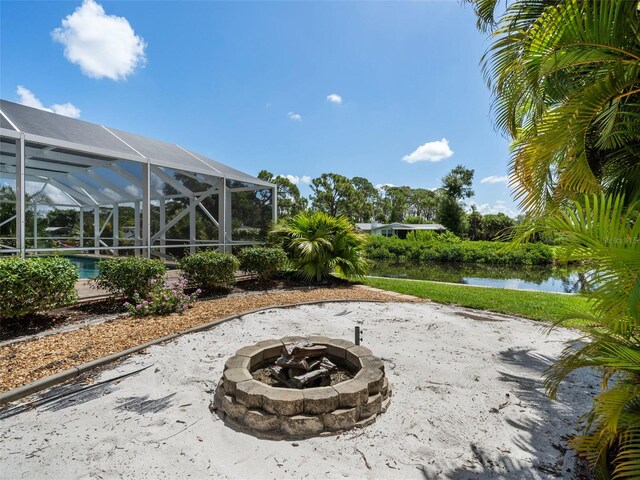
<point x="468" y="403"/>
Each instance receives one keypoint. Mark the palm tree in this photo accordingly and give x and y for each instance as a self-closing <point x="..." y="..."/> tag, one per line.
<point x="606" y="233"/>
<point x="318" y="244"/>
<point x="565" y="75"/>
<point x="566" y="81"/>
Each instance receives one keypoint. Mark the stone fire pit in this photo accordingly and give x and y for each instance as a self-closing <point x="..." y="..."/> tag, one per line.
<point x="276" y="412"/>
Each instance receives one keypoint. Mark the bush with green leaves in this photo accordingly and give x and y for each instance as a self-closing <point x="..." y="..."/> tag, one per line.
<point x="163" y="300"/>
<point x="127" y="276"/>
<point x="318" y="244"/>
<point x="210" y="270"/>
<point x="444" y="249"/>
<point x="32" y="285"/>
<point x="265" y="262"/>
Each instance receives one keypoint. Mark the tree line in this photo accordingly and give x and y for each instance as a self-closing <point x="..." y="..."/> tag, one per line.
<point x="361" y="202"/>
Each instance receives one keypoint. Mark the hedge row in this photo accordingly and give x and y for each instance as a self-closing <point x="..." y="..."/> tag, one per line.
<point x="35" y="284"/>
<point x="28" y="286"/>
<point x="397" y="250"/>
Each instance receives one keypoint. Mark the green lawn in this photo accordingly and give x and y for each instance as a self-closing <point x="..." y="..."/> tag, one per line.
<point x="536" y="305"/>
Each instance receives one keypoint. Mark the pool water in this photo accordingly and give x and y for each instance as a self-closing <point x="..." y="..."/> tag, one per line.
<point x="87" y="266"/>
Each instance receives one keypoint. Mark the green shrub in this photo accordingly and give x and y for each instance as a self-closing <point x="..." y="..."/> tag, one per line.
<point x="448" y="249"/>
<point x="318" y="244"/>
<point x="127" y="276"/>
<point x="35" y="284"/>
<point x="265" y="262"/>
<point x="163" y="300"/>
<point x="210" y="270"/>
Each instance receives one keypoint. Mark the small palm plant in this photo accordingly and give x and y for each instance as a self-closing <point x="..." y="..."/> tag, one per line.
<point x="318" y="245"/>
<point x="605" y="232"/>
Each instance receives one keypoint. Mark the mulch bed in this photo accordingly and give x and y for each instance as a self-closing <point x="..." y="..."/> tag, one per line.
<point x="27" y="361"/>
<point x="89" y="310"/>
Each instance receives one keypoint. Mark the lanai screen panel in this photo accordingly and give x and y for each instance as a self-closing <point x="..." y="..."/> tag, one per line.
<point x="102" y="172"/>
<point x="58" y="127"/>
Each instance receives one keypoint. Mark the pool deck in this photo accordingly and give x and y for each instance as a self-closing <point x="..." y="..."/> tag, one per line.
<point x="88" y="292"/>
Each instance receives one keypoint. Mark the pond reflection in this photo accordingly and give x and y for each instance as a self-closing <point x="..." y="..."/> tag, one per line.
<point x="565" y="279"/>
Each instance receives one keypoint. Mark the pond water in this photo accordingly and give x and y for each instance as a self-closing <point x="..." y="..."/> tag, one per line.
<point x="565" y="279"/>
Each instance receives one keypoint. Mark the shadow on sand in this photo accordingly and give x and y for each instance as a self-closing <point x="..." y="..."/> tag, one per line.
<point x="550" y="459"/>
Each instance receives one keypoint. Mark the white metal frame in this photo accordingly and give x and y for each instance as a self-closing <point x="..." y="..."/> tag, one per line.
<point x="64" y="170"/>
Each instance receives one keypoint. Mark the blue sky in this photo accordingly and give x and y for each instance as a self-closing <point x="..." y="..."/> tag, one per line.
<point x="249" y="83"/>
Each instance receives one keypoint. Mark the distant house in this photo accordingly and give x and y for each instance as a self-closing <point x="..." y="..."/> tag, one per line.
<point x="399" y="230"/>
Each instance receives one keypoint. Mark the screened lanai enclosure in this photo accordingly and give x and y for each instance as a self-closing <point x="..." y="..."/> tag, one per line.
<point x="69" y="186"/>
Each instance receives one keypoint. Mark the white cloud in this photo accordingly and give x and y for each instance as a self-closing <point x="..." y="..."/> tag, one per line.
<point x="495" y="179"/>
<point x="500" y="206"/>
<point x="102" y="45"/>
<point x="334" y="98"/>
<point x="296" y="180"/>
<point x="295" y="116"/>
<point x="133" y="191"/>
<point x="293" y="179"/>
<point x="380" y="186"/>
<point x="430" y="152"/>
<point x="28" y="98"/>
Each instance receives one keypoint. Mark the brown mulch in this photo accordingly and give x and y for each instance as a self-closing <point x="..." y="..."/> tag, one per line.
<point x="62" y="317"/>
<point x="25" y="362"/>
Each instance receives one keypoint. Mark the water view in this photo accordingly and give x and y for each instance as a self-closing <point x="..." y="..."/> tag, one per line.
<point x="87" y="266"/>
<point x="565" y="279"/>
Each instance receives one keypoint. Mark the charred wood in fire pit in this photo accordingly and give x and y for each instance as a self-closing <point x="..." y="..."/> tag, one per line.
<point x="297" y="363"/>
<point x="303" y="349"/>
<point x="295" y="372"/>
<point x="328" y="364"/>
<point x="309" y="378"/>
<point x="279" y="374"/>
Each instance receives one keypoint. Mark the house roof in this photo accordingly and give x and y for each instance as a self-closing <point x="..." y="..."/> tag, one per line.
<point x="401" y="226"/>
<point x="65" y="135"/>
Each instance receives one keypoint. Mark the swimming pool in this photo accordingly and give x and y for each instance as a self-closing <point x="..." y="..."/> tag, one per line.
<point x="87" y="266"/>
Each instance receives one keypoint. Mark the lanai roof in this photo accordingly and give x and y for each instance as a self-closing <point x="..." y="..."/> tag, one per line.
<point x="77" y="143"/>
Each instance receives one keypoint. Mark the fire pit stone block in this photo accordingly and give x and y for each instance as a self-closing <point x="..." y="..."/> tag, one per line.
<point x="338" y="347"/>
<point x="341" y="419"/>
<point x="385" y="405"/>
<point x="372" y="407"/>
<point x="251" y="393"/>
<point x="233" y="376"/>
<point x="372" y="363"/>
<point x="254" y="353"/>
<point x="354" y="353"/>
<point x="283" y="401"/>
<point x="373" y="378"/>
<point x="319" y="339"/>
<point x="261" y="421"/>
<point x="320" y="400"/>
<point x="235" y="410"/>
<point x="385" y="387"/>
<point x="270" y="348"/>
<point x="353" y="393"/>
<point x="292" y="339"/>
<point x="302" y="425"/>
<point x="237" y="362"/>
